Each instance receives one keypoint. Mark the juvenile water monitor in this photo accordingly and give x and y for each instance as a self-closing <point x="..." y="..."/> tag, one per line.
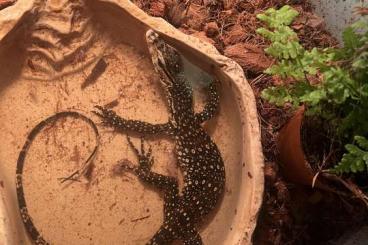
<point x="197" y="155"/>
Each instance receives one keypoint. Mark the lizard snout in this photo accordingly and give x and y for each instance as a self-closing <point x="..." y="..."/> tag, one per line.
<point x="151" y="36"/>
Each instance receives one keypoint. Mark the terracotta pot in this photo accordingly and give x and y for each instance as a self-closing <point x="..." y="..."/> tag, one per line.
<point x="295" y="167"/>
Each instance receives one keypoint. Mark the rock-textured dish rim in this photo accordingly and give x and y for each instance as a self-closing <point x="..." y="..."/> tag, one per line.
<point x="7" y="235"/>
<point x="224" y="68"/>
<point x="10" y="16"/>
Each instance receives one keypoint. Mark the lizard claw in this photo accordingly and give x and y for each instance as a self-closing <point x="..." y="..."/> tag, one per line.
<point x="145" y="158"/>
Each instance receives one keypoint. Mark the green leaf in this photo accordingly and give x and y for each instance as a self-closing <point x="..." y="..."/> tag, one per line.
<point x="275" y="18"/>
<point x="350" y="38"/>
<point x="361" y="62"/>
<point x="315" y="60"/>
<point x="355" y="160"/>
<point x="362" y="142"/>
<point x="266" y="33"/>
<point x="286" y="69"/>
<point x="276" y="95"/>
<point x="314" y="97"/>
<point x="339" y="85"/>
<point x="287" y="15"/>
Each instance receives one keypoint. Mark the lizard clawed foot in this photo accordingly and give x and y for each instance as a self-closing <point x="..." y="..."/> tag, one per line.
<point x="145" y="161"/>
<point x="109" y="117"/>
<point x="145" y="158"/>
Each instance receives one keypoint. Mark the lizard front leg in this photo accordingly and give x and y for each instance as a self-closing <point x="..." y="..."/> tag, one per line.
<point x="211" y="106"/>
<point x="165" y="235"/>
<point x="110" y="118"/>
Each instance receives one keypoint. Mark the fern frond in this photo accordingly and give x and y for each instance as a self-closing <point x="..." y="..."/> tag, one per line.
<point x="355" y="159"/>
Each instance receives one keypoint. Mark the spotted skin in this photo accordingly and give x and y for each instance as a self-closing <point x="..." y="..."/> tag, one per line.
<point x="197" y="155"/>
<point x="30" y="227"/>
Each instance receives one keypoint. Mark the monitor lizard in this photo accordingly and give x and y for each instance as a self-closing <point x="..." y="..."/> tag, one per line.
<point x="197" y="155"/>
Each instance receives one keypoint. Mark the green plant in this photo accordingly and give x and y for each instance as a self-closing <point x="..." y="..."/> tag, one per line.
<point x="356" y="158"/>
<point x="341" y="94"/>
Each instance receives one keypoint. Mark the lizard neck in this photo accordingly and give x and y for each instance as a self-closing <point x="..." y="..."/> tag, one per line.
<point x="180" y="99"/>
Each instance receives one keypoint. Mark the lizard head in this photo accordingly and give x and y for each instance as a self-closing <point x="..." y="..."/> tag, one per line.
<point x="166" y="59"/>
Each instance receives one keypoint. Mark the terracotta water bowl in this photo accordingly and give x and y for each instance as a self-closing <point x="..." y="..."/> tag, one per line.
<point x="48" y="52"/>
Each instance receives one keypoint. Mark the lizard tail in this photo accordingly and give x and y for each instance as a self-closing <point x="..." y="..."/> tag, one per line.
<point x="26" y="218"/>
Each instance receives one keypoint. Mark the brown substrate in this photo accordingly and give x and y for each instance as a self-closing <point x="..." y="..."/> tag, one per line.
<point x="291" y="214"/>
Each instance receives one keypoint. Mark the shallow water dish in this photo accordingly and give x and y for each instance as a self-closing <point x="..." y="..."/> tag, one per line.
<point x="50" y="60"/>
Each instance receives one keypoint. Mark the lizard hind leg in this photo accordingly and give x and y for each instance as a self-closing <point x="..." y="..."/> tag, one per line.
<point x="144" y="173"/>
<point x="167" y="184"/>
